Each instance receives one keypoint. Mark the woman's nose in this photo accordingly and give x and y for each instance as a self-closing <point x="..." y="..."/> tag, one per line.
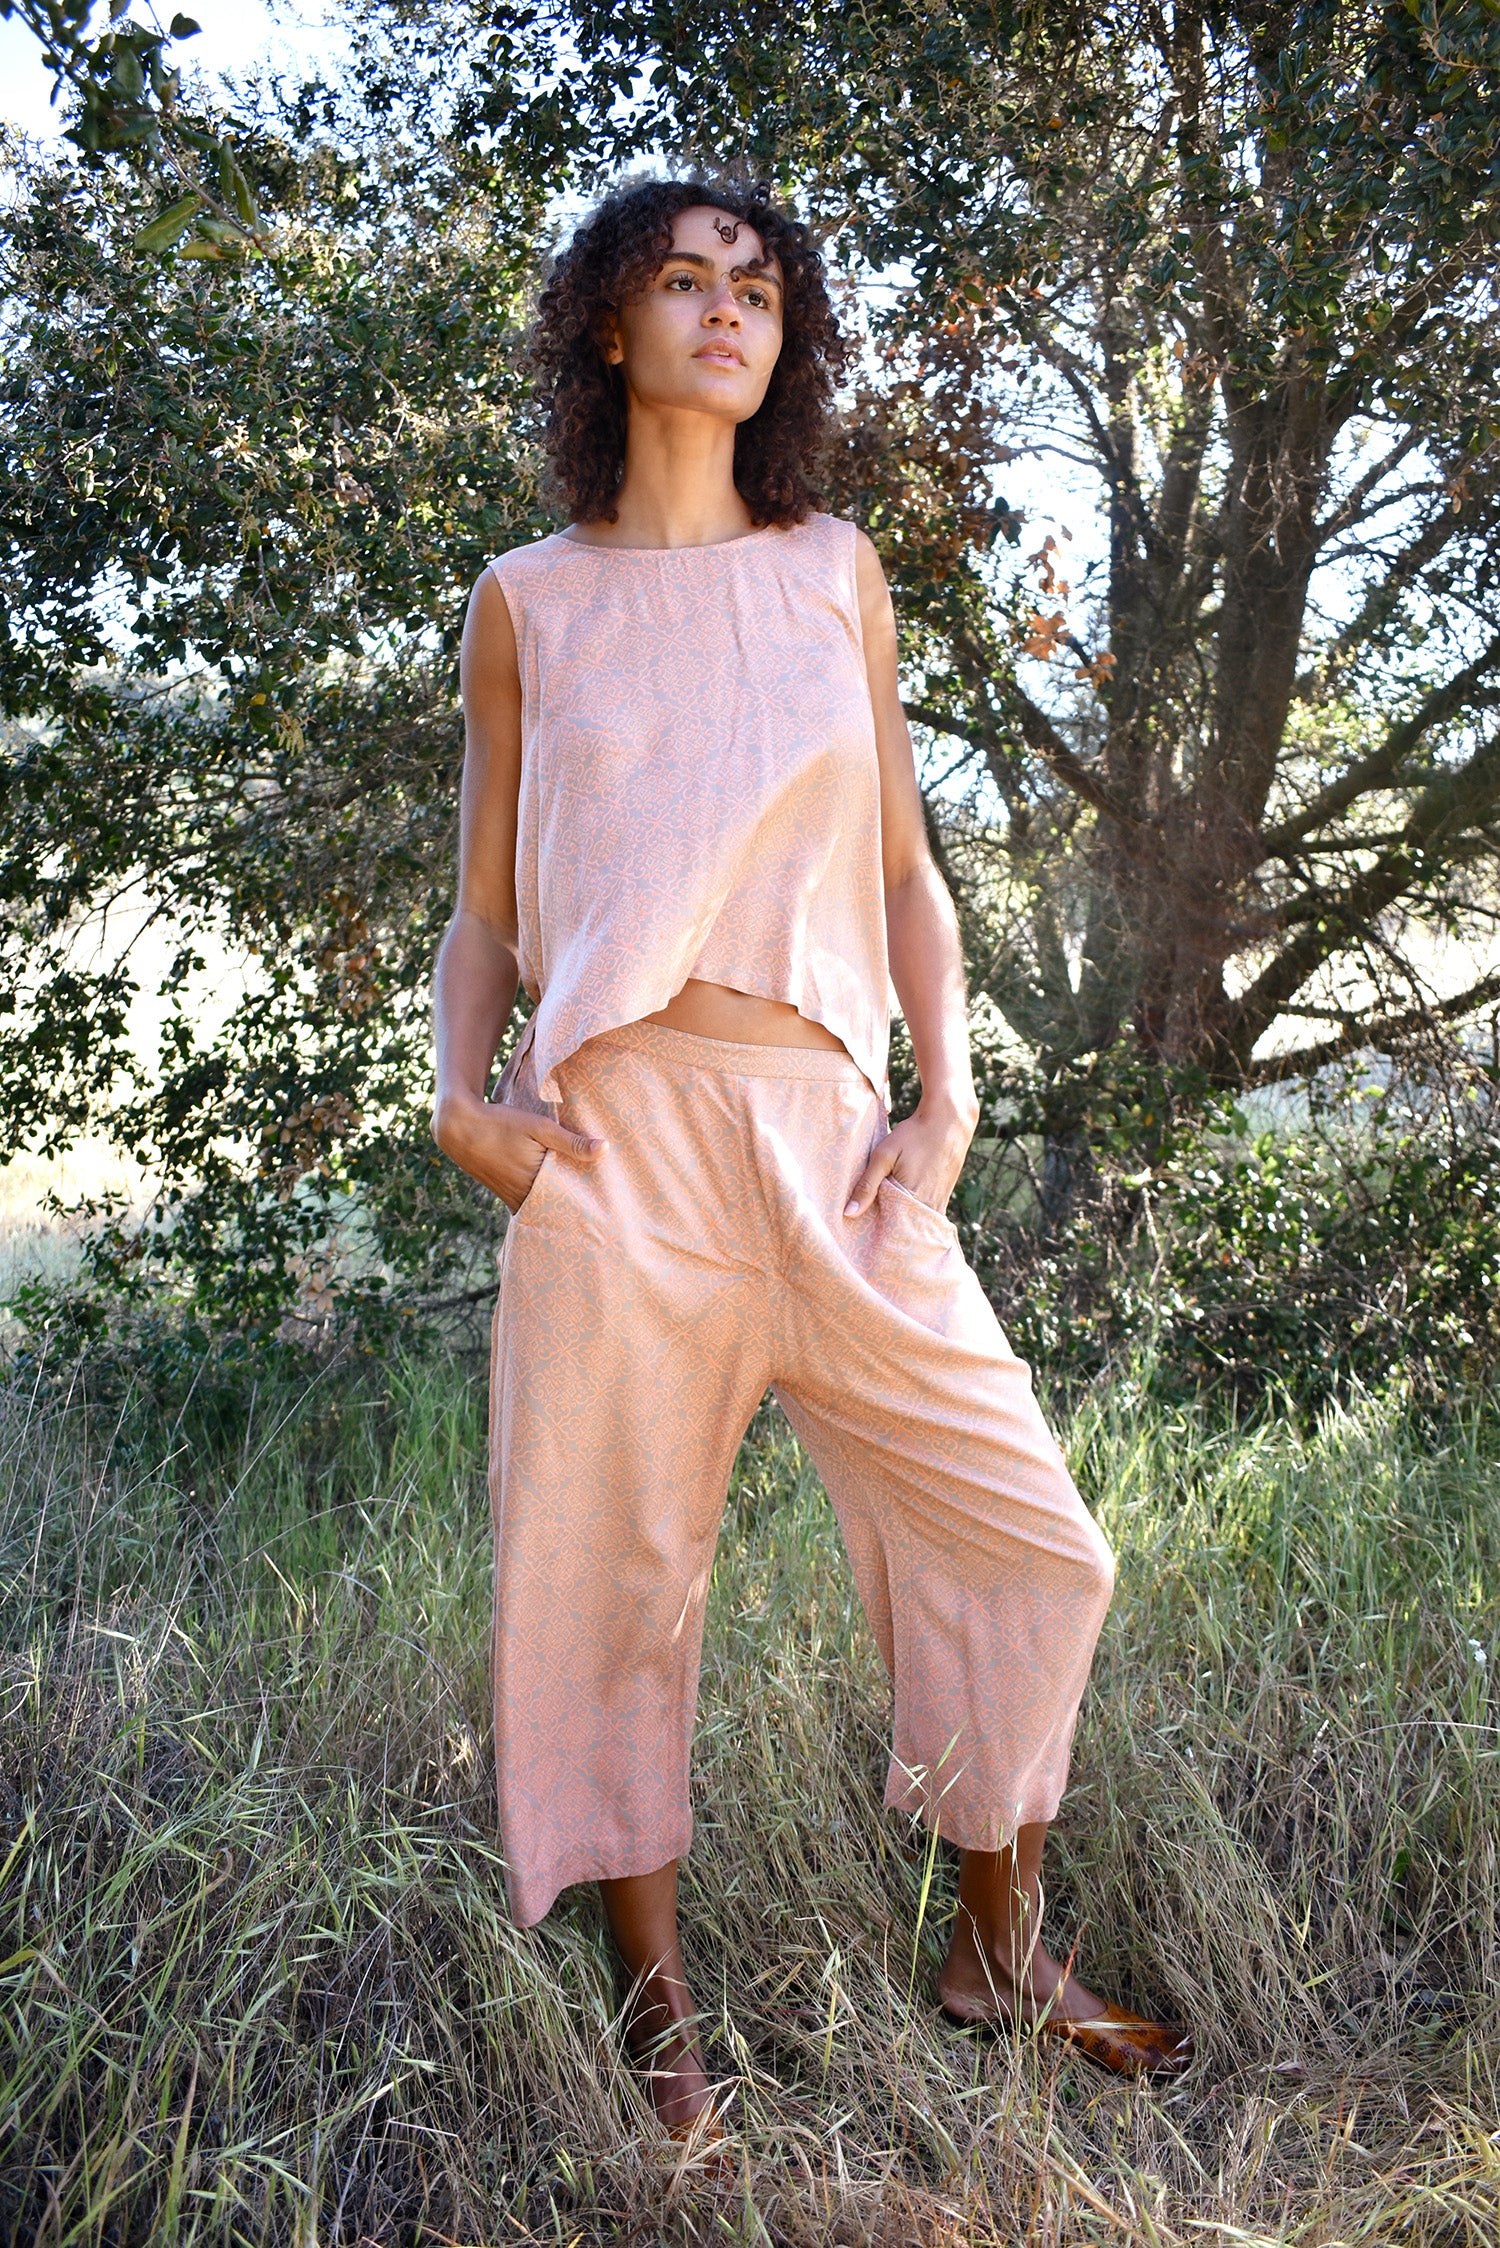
<point x="723" y="307"/>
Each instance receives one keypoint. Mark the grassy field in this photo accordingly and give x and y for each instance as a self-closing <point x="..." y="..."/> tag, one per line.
<point x="258" y="1982"/>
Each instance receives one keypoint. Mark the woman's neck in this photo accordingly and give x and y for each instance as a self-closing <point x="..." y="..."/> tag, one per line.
<point x="678" y="488"/>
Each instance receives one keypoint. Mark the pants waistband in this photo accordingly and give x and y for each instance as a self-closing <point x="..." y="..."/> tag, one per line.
<point x="685" y="1049"/>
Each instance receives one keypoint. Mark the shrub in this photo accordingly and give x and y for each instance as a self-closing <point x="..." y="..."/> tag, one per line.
<point x="1351" y="1238"/>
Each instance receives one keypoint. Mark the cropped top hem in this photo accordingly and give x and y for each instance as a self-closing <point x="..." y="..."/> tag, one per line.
<point x="550" y="1055"/>
<point x="700" y="788"/>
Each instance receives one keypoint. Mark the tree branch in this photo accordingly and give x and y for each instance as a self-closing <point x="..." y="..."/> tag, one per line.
<point x="1040" y="736"/>
<point x="1348" y="510"/>
<point x="1449" y="801"/>
<point x="1384" y="764"/>
<point x="1117" y="475"/>
<point x="1381" y="1034"/>
<point x="1434" y="286"/>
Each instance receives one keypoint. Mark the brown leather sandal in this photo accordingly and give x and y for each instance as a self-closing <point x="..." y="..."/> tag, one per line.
<point x="1128" y="2044"/>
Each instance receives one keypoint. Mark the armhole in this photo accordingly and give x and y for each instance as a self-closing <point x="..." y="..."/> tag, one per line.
<point x="498" y="571"/>
<point x="514" y="607"/>
<point x="850" y="541"/>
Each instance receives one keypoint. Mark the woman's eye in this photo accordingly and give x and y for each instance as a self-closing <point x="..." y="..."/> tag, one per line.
<point x="680" y="281"/>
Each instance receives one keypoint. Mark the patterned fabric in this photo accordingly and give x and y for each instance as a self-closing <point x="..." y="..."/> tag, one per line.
<point x="700" y="794"/>
<point x="646" y="1303"/>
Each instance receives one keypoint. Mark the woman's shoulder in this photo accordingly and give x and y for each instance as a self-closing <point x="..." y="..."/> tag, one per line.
<point x="819" y="524"/>
<point x="834" y="534"/>
<point x="530" y="559"/>
<point x="840" y="553"/>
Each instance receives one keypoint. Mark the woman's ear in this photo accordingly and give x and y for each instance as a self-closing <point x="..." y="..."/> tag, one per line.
<point x="608" y="338"/>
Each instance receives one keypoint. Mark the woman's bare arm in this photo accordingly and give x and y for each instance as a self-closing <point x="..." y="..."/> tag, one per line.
<point x="927" y="1150"/>
<point x="477" y="975"/>
<point x="477" y="971"/>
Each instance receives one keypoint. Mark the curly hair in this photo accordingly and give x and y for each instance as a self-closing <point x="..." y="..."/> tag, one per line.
<point x="611" y="259"/>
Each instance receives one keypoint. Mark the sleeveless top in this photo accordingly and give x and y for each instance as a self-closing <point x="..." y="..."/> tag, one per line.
<point x="700" y="795"/>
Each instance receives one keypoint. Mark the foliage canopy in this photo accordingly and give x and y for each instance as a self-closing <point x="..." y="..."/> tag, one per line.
<point x="1233" y="270"/>
<point x="237" y="528"/>
<point x="1226" y="276"/>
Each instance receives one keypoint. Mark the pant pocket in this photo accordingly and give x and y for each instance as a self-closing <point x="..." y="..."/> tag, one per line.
<point x="540" y="1180"/>
<point x="905" y="1199"/>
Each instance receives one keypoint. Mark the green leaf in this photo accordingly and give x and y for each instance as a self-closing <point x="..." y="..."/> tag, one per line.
<point x="168" y="226"/>
<point x="127" y="77"/>
<point x="235" y="188"/>
<point x="183" y="27"/>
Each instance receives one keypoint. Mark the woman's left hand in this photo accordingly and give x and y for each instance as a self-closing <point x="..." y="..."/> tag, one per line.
<point x="924" y="1153"/>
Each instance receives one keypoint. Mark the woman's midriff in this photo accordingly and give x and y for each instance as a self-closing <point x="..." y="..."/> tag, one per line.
<point x="710" y="1010"/>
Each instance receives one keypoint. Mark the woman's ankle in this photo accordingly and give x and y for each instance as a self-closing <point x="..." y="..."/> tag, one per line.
<point x="669" y="2059"/>
<point x="659" y="2007"/>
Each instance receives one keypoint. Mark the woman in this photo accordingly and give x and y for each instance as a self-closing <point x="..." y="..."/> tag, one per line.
<point x="691" y="827"/>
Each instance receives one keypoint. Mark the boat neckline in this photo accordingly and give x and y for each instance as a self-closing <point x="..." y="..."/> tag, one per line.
<point x="709" y="546"/>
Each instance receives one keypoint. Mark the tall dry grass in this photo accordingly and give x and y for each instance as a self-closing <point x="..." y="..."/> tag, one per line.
<point x="258" y="1981"/>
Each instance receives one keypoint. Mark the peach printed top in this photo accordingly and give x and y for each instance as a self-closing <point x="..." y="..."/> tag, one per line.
<point x="700" y="795"/>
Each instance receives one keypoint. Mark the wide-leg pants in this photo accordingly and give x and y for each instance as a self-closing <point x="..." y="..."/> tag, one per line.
<point x="646" y="1304"/>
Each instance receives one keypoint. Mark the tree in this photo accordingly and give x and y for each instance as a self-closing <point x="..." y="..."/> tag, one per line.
<point x="240" y="510"/>
<point x="1237" y="264"/>
<point x="124" y="103"/>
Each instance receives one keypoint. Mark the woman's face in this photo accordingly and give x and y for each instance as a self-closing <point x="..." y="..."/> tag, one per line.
<point x="704" y="334"/>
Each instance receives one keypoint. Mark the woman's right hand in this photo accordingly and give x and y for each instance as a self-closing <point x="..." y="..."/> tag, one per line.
<point x="503" y="1147"/>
